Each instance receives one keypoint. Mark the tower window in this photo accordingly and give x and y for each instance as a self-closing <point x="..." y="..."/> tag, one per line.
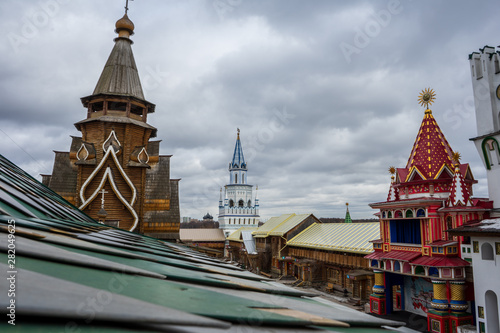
<point x="479" y="70"/>
<point x="98" y="106"/>
<point x="249" y="203"/>
<point x="136" y="109"/>
<point x="231" y="203"/>
<point x="236" y="178"/>
<point x="241" y="203"/>
<point x="487" y="252"/>
<point x="117" y="106"/>
<point x="243" y="179"/>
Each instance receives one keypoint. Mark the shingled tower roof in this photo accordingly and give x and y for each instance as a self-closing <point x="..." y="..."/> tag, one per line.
<point x="120" y="75"/>
<point x="238" y="161"/>
<point x="431" y="150"/>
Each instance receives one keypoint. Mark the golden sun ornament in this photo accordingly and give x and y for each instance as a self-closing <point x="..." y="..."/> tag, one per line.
<point x="392" y="170"/>
<point x="456" y="157"/>
<point x="426" y="97"/>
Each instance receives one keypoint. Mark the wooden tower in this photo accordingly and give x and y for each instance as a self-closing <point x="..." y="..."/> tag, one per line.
<point x="114" y="172"/>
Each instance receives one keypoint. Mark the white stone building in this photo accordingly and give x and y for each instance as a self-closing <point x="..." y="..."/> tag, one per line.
<point x="485" y="72"/>
<point x="481" y="243"/>
<point x="238" y="207"/>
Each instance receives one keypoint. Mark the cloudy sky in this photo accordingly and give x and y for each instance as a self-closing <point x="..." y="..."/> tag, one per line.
<point x="324" y="92"/>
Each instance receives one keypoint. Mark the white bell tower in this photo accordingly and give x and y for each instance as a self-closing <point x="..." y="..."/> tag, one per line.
<point x="485" y="72"/>
<point x="239" y="207"/>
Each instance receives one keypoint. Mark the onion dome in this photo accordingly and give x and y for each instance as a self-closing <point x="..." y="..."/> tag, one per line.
<point x="124" y="27"/>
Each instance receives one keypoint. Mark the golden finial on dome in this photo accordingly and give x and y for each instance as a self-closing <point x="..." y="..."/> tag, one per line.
<point x="392" y="171"/>
<point x="427" y="97"/>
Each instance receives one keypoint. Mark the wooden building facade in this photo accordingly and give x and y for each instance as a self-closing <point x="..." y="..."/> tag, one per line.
<point x="114" y="171"/>
<point x="333" y="253"/>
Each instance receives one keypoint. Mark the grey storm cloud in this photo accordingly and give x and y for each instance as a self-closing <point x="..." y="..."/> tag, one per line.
<point x="324" y="92"/>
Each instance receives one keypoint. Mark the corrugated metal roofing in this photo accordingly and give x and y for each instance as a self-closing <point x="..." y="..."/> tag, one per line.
<point x="201" y="235"/>
<point x="273" y="222"/>
<point x="236" y="236"/>
<point x="440" y="262"/>
<point x="249" y="241"/>
<point x="73" y="273"/>
<point x="289" y="224"/>
<point x="396" y="255"/>
<point x="346" y="237"/>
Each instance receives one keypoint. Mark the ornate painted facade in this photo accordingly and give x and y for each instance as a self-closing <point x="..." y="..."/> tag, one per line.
<point x="239" y="207"/>
<point x="114" y="172"/>
<point x="417" y="263"/>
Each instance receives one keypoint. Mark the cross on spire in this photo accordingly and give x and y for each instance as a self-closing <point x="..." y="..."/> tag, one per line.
<point x="126" y="6"/>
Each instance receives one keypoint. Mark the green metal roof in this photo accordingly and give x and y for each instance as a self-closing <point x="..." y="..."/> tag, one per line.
<point x="74" y="274"/>
<point x="345" y="237"/>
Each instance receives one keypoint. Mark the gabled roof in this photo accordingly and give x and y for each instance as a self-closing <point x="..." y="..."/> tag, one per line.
<point x="431" y="150"/>
<point x="201" y="235"/>
<point x="280" y="225"/>
<point x="459" y="193"/>
<point x="237" y="235"/>
<point x="289" y="224"/>
<point x="65" y="261"/>
<point x="345" y="237"/>
<point x="272" y="223"/>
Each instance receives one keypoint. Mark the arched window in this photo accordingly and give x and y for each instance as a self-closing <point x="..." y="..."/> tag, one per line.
<point x="409" y="213"/>
<point x="419" y="270"/>
<point x="398" y="214"/>
<point x="491" y="305"/>
<point x="241" y="203"/>
<point x="243" y="178"/>
<point x="374" y="263"/>
<point x="488" y="145"/>
<point x="397" y="266"/>
<point x="487" y="251"/>
<point x="421" y="213"/>
<point x="433" y="271"/>
<point x="249" y="203"/>
<point x="236" y="178"/>
<point x="231" y="203"/>
<point x="389" y="215"/>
